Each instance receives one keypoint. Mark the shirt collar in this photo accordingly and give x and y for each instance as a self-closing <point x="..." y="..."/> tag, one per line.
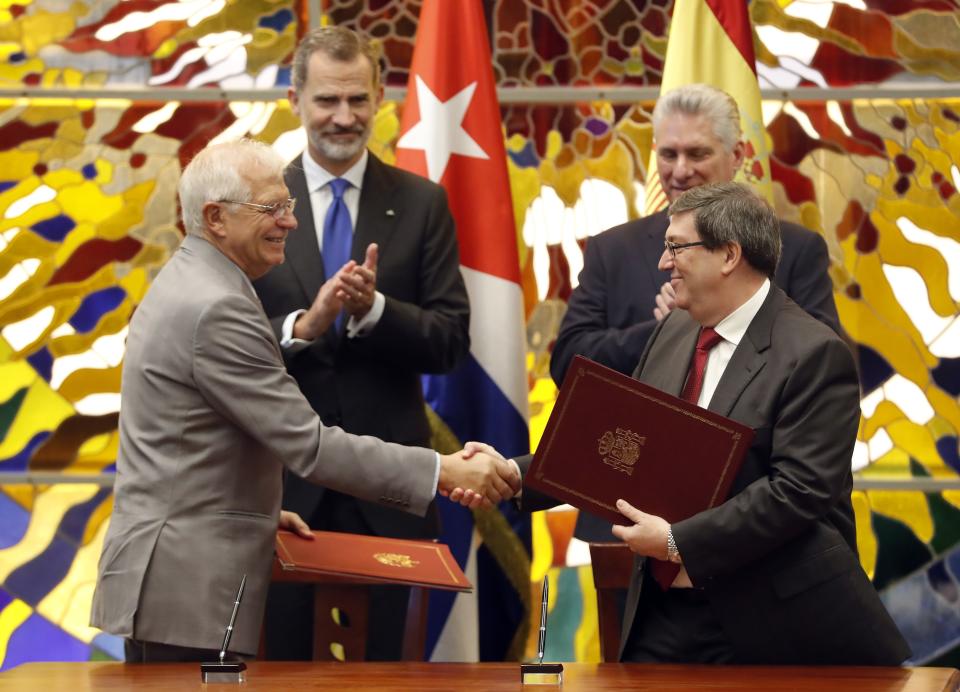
<point x="317" y="176"/>
<point x="734" y="326"/>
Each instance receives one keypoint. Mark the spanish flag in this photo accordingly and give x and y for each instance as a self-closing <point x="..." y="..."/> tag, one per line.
<point x="711" y="42"/>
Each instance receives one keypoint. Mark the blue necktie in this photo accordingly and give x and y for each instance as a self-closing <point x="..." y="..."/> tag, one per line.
<point x="337" y="234"/>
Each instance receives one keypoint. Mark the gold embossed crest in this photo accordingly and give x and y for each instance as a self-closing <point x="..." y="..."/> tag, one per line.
<point x="620" y="449"/>
<point x="396" y="560"/>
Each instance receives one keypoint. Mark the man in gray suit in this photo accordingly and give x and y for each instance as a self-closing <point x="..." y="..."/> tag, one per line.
<point x="210" y="418"/>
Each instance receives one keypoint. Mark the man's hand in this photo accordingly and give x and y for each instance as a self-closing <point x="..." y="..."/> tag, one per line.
<point x="648" y="534"/>
<point x="468" y="498"/>
<point x="325" y="308"/>
<point x="488" y="478"/>
<point x="358" y="286"/>
<point x="666" y="301"/>
<point x="291" y="521"/>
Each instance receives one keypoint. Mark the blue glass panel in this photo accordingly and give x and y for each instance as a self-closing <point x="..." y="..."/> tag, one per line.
<point x="14" y="520"/>
<point x="54" y="229"/>
<point x="42" y="362"/>
<point x="95" y="306"/>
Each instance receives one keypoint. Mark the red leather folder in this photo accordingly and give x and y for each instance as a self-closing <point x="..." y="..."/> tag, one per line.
<point x="610" y="436"/>
<point x="371" y="559"/>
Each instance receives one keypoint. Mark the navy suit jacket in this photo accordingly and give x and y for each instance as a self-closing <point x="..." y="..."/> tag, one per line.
<point x="371" y="385"/>
<point x="609" y="316"/>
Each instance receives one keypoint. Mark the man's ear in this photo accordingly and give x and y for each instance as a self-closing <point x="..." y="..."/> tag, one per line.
<point x="732" y="257"/>
<point x="213" y="219"/>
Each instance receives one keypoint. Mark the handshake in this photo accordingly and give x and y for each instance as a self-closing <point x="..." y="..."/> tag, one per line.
<point x="478" y="476"/>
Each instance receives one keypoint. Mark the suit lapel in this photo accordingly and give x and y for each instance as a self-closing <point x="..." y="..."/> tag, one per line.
<point x="673" y="351"/>
<point x="378" y="210"/>
<point x="303" y="250"/>
<point x="750" y="356"/>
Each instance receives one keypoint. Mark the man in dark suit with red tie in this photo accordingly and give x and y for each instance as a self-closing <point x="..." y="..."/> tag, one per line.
<point x="623" y="294"/>
<point x="357" y="348"/>
<point x="771" y="575"/>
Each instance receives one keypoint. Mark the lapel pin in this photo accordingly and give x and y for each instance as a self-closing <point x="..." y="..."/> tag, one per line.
<point x="390" y="212"/>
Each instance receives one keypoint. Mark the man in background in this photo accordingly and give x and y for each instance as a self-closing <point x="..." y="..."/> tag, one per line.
<point x="406" y="312"/>
<point x="210" y="419"/>
<point x="623" y="294"/>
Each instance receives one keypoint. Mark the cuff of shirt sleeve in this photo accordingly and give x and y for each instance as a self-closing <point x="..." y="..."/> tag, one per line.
<point x="516" y="467"/>
<point x="436" y="474"/>
<point x="288" y="342"/>
<point x="362" y="327"/>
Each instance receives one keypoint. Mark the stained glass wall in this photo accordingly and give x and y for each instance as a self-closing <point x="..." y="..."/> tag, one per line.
<point x="101" y="103"/>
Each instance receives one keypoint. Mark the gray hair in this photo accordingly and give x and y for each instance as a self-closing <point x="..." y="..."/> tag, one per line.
<point x="734" y="213"/>
<point x="336" y="42"/>
<point x="717" y="106"/>
<point x="217" y="173"/>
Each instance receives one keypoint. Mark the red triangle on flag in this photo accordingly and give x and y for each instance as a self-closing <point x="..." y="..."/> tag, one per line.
<point x="451" y="133"/>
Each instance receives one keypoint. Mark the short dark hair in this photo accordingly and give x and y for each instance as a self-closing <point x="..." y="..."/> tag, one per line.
<point x="734" y="213"/>
<point x="337" y="42"/>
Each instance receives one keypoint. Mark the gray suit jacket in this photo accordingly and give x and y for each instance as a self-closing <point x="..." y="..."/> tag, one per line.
<point x="778" y="559"/>
<point x="371" y="385"/>
<point x="209" y="419"/>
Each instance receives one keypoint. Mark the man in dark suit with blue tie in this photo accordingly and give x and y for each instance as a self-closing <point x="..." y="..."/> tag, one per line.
<point x="623" y="295"/>
<point x="369" y="298"/>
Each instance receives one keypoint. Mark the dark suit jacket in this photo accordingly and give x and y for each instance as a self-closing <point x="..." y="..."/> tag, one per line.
<point x="609" y="317"/>
<point x="371" y="385"/>
<point x="778" y="559"/>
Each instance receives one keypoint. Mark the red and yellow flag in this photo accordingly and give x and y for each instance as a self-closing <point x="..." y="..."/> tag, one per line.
<point x="711" y="42"/>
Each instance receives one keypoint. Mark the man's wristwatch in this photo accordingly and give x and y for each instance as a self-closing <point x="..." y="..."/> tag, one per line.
<point x="673" y="555"/>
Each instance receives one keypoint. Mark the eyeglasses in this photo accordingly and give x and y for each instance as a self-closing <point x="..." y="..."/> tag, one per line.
<point x="277" y="211"/>
<point x="674" y="247"/>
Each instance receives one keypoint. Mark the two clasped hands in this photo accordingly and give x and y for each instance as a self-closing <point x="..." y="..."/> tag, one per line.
<point x="645" y="534"/>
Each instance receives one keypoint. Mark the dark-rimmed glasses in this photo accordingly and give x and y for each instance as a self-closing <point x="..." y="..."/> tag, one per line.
<point x="674" y="247"/>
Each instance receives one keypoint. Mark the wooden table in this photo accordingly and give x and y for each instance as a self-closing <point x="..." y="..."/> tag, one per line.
<point x="427" y="677"/>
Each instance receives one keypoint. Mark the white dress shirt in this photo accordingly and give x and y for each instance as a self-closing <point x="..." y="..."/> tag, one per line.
<point x="732" y="329"/>
<point x="321" y="197"/>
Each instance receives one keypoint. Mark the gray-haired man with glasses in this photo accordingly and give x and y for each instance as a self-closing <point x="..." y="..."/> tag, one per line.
<point x="210" y="420"/>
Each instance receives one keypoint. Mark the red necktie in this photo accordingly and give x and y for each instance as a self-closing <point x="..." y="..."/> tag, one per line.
<point x="708" y="339"/>
<point x="666" y="572"/>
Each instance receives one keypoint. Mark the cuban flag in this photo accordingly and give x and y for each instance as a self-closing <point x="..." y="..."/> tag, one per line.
<point x="451" y="133"/>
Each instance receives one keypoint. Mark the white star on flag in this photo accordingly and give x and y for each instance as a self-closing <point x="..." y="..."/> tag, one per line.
<point x="440" y="131"/>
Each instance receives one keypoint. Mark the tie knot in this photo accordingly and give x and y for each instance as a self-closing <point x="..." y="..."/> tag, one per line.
<point x="338" y="186"/>
<point x="708" y="339"/>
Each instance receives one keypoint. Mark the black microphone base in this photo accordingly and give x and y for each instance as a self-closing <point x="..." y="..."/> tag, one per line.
<point x="228" y="672"/>
<point x="541" y="673"/>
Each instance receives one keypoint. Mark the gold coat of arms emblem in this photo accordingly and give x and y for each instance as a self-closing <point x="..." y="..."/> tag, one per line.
<point x="620" y="449"/>
<point x="396" y="560"/>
